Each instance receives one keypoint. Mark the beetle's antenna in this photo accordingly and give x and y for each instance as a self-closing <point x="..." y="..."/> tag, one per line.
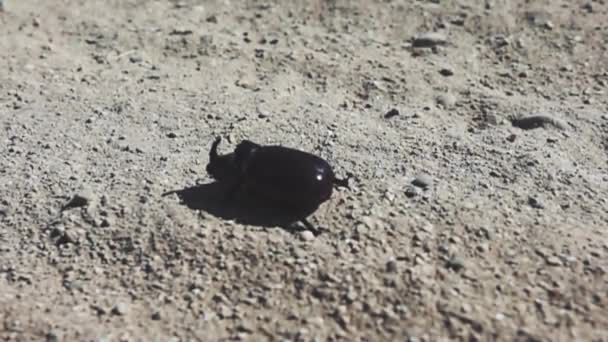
<point x="213" y="152"/>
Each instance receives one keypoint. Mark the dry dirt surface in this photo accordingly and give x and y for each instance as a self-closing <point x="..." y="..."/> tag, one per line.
<point x="476" y="131"/>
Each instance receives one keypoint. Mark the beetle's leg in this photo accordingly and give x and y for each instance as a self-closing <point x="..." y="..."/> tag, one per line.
<point x="344" y="181"/>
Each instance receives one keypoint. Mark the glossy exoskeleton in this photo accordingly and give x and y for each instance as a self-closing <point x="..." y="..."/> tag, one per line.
<point x="295" y="179"/>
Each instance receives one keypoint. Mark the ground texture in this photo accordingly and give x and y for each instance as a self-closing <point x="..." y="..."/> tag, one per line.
<point x="477" y="133"/>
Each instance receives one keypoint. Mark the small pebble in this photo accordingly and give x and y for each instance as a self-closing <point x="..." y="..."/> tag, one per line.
<point x="78" y="200"/>
<point x="246" y="327"/>
<point x="155" y="316"/>
<point x="391" y="113"/>
<point x="307" y="235"/>
<point x="553" y="261"/>
<point x="455" y="263"/>
<point x="446" y="100"/>
<point x="120" y="309"/>
<point x="446" y="72"/>
<point x="538" y="120"/>
<point x="429" y="39"/>
<point x="391" y="266"/>
<point x="423" y="181"/>
<point x="535" y="203"/>
<point x="412" y="191"/>
<point x="180" y="31"/>
<point x="171" y="135"/>
<point x="135" y="59"/>
<point x="99" y="310"/>
<point x="225" y="312"/>
<point x="51" y="336"/>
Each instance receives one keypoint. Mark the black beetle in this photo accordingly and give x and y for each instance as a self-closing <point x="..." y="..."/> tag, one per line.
<point x="294" y="179"/>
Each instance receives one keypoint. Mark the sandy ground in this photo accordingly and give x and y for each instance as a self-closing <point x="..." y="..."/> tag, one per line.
<point x="464" y="222"/>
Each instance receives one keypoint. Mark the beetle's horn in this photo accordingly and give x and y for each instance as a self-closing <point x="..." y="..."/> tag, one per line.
<point x="213" y="156"/>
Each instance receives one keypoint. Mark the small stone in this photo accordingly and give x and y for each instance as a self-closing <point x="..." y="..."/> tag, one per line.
<point x="155" y="316"/>
<point x="485" y="233"/>
<point x="316" y="321"/>
<point x="181" y="32"/>
<point x="423" y="181"/>
<point x="538" y="120"/>
<point x="136" y="59"/>
<point x="429" y="39"/>
<point x="61" y="236"/>
<point x="69" y="236"/>
<point x="549" y="25"/>
<point x="226" y="312"/>
<point x="212" y="19"/>
<point x="51" y="336"/>
<point x="427" y="227"/>
<point x="542" y="252"/>
<point x="446" y="100"/>
<point x="307" y="235"/>
<point x="535" y="203"/>
<point x="454" y="239"/>
<point x="245" y="327"/>
<point x="78" y="200"/>
<point x="570" y="260"/>
<point x="99" y="310"/>
<point x="446" y="72"/>
<point x="455" y="263"/>
<point x="500" y="41"/>
<point x="391" y="113"/>
<point x="588" y="7"/>
<point x="553" y="261"/>
<point x="391" y="266"/>
<point x="412" y="191"/>
<point x="171" y="135"/>
<point x="120" y="309"/>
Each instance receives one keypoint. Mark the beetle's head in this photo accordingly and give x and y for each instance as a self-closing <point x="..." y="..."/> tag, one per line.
<point x="243" y="153"/>
<point x="221" y="168"/>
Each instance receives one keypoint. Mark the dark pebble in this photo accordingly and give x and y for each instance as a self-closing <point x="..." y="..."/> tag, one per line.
<point x="391" y="113"/>
<point x="535" y="203"/>
<point x="446" y="72"/>
<point x="423" y="181"/>
<point x="78" y="200"/>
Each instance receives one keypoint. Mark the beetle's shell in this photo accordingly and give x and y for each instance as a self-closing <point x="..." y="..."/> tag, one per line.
<point x="298" y="179"/>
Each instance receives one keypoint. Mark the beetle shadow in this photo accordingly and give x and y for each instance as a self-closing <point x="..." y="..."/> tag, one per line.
<point x="243" y="209"/>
